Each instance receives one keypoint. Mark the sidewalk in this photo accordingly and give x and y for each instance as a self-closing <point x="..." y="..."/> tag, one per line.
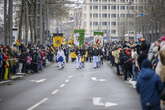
<point x="5" y="82"/>
<point x="13" y="77"/>
<point x="20" y="75"/>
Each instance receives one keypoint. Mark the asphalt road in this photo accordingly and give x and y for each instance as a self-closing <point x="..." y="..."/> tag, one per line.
<point x="70" y="89"/>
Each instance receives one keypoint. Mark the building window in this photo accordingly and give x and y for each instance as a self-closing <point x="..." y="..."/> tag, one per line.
<point x="104" y="23"/>
<point x="113" y="23"/>
<point x="109" y="23"/>
<point x="113" y="15"/>
<point x="113" y="7"/>
<point x="122" y="1"/>
<point x="104" y="0"/>
<point x="90" y="23"/>
<point x="104" y="15"/>
<point x="90" y="15"/>
<point x="132" y="7"/>
<point x="122" y="15"/>
<point x="113" y="0"/>
<point x="113" y="31"/>
<point x="104" y="7"/>
<point x="109" y="15"/>
<point x="95" y="0"/>
<point x="105" y="31"/>
<point x="109" y="7"/>
<point x="90" y="7"/>
<point x="95" y="15"/>
<point x="95" y="7"/>
<point x="95" y="23"/>
<point x="99" y="15"/>
<point x="129" y="15"/>
<point x="122" y="7"/>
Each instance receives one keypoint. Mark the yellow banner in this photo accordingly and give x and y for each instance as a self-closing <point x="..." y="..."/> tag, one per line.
<point x="57" y="41"/>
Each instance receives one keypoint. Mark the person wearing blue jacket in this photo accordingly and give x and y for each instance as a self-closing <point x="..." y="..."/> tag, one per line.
<point x="149" y="86"/>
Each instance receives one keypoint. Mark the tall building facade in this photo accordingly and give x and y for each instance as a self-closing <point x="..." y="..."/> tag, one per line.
<point x="113" y="17"/>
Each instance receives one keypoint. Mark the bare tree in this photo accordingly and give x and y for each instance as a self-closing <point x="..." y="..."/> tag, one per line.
<point x="153" y="21"/>
<point x="29" y="20"/>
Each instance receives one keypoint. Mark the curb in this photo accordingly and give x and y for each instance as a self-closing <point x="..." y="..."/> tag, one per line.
<point x="19" y="76"/>
<point x="5" y="82"/>
<point x="16" y="77"/>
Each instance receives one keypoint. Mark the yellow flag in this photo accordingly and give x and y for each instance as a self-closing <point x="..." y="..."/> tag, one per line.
<point x="57" y="41"/>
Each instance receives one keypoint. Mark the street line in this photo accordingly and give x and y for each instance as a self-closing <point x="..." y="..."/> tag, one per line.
<point x="62" y="85"/>
<point x="109" y="104"/>
<point x="67" y="81"/>
<point x="55" y="92"/>
<point x="102" y="80"/>
<point x="3" y="82"/>
<point x="42" y="80"/>
<point x="37" y="104"/>
<point x="97" y="101"/>
<point x="93" y="78"/>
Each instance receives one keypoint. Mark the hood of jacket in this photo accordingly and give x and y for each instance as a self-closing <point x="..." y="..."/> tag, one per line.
<point x="146" y="71"/>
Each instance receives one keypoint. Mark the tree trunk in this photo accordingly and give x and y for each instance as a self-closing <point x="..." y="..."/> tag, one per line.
<point x="20" y="22"/>
<point x="5" y="21"/>
<point x="10" y="20"/>
<point x="34" y="23"/>
<point x="26" y="22"/>
<point x="31" y="29"/>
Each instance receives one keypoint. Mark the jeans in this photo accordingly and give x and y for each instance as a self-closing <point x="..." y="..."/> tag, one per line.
<point x="134" y="72"/>
<point x="117" y="68"/>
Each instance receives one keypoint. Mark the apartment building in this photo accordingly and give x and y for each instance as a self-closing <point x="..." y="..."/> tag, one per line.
<point x="113" y="17"/>
<point x="77" y="17"/>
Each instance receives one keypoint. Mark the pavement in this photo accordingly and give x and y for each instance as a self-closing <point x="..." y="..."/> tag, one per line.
<point x="70" y="89"/>
<point x="19" y="76"/>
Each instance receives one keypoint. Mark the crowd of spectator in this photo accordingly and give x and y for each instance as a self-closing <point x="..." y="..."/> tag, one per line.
<point x="24" y="59"/>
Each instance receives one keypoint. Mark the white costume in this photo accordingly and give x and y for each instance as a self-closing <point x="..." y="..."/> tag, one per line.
<point x="60" y="55"/>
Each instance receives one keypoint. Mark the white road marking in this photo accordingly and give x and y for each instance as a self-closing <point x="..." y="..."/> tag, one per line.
<point x="96" y="101"/>
<point x="67" y="81"/>
<point x="38" y="81"/>
<point x="42" y="80"/>
<point x="70" y="76"/>
<point x="93" y="78"/>
<point x="109" y="104"/>
<point x="37" y="104"/>
<point x="55" y="92"/>
<point x="62" y="85"/>
<point x="102" y="80"/>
